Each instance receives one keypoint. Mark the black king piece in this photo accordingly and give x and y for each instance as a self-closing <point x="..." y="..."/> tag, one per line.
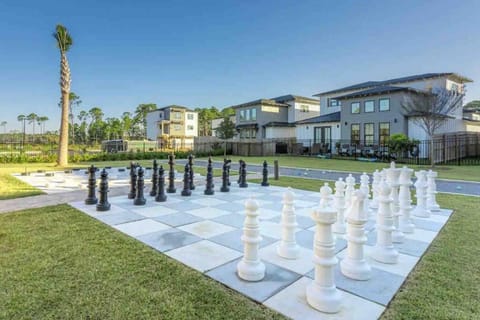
<point x="171" y="174"/>
<point x="161" y="196"/>
<point x="153" y="192"/>
<point x="190" y="165"/>
<point x="103" y="204"/>
<point x="133" y="181"/>
<point x="140" y="199"/>
<point x="92" y="184"/>
<point x="186" y="183"/>
<point x="265" y="174"/>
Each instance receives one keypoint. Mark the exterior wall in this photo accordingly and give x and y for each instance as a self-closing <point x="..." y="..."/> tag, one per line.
<point x="191" y="126"/>
<point x="306" y="132"/>
<point x="415" y="131"/>
<point x="264" y="114"/>
<point x="216" y="123"/>
<point x="324" y="102"/>
<point x="279" y="132"/>
<point x="295" y="112"/>
<point x="153" y="121"/>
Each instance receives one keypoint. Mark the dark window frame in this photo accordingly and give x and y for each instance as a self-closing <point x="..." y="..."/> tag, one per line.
<point x="352" y="140"/>
<point x="371" y="136"/>
<point x="365" y="106"/>
<point x="359" y="107"/>
<point x="380" y="135"/>
<point x="380" y="104"/>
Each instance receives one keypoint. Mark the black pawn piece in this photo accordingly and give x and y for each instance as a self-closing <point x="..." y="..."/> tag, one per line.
<point x="243" y="175"/>
<point x="140" y="199"/>
<point x="190" y="164"/>
<point x="225" y="187"/>
<point x="239" y="170"/>
<point x="153" y="192"/>
<point x="209" y="186"/>
<point x="265" y="174"/>
<point x="103" y="204"/>
<point x="92" y="184"/>
<point x="133" y="181"/>
<point x="171" y="174"/>
<point x="186" y="182"/>
<point x="161" y="196"/>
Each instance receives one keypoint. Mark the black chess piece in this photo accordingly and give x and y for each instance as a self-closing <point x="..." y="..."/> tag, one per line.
<point x="140" y="199"/>
<point x="228" y="162"/>
<point x="243" y="175"/>
<point x="161" y="196"/>
<point x="225" y="187"/>
<point x="103" y="204"/>
<point x="153" y="192"/>
<point x="265" y="174"/>
<point x="171" y="174"/>
<point x="186" y="182"/>
<point x="209" y="185"/>
<point x="133" y="181"/>
<point x="92" y="184"/>
<point x="239" y="170"/>
<point x="190" y="164"/>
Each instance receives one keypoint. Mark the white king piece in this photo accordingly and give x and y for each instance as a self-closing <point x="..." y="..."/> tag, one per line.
<point x="288" y="247"/>
<point x="393" y="176"/>
<point x="339" y="226"/>
<point x="406" y="224"/>
<point x="322" y="294"/>
<point x="432" y="191"/>
<point x="250" y="268"/>
<point x="364" y="181"/>
<point x="354" y="265"/>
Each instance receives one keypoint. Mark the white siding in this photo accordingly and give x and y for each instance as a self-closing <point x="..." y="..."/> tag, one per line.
<point x="279" y="132"/>
<point x="305" y="132"/>
<point x="313" y="111"/>
<point x="415" y="131"/>
<point x="153" y="118"/>
<point x="193" y="132"/>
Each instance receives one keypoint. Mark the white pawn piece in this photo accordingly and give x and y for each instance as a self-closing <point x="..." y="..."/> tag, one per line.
<point x="322" y="294"/>
<point x="339" y="226"/>
<point x="384" y="251"/>
<point x="375" y="183"/>
<point x="350" y="180"/>
<point x="354" y="265"/>
<point x="421" y="209"/>
<point x="406" y="225"/>
<point x="393" y="175"/>
<point x="250" y="268"/>
<point x="432" y="191"/>
<point x="364" y="181"/>
<point x="288" y="247"/>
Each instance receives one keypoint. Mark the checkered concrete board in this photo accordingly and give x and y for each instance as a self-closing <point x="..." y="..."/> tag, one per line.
<point x="203" y="232"/>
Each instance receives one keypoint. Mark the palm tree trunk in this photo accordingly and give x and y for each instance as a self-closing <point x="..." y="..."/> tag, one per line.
<point x="65" y="89"/>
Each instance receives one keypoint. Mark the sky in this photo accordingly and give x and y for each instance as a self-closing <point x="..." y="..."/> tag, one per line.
<point x="221" y="53"/>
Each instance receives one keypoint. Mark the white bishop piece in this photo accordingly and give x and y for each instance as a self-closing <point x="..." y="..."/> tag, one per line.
<point x="354" y="265"/>
<point x="339" y="226"/>
<point x="250" y="268"/>
<point x="406" y="224"/>
<point x="350" y="180"/>
<point x="375" y="183"/>
<point x="322" y="294"/>
<point x="432" y="191"/>
<point x="421" y="209"/>
<point x="364" y="182"/>
<point x="288" y="247"/>
<point x="393" y="175"/>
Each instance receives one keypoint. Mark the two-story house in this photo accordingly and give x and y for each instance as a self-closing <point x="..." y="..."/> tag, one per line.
<point x="273" y="118"/>
<point x="172" y="126"/>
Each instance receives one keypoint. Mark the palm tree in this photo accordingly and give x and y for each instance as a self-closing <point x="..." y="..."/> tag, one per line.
<point x="41" y="122"/>
<point x="64" y="42"/>
<point x="4" y="125"/>
<point x="22" y="118"/>
<point x="32" y="119"/>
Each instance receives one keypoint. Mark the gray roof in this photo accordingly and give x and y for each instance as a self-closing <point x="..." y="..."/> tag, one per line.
<point x="331" y="117"/>
<point x="290" y="97"/>
<point x="267" y="102"/>
<point x="423" y="76"/>
<point x="279" y="124"/>
<point x="377" y="91"/>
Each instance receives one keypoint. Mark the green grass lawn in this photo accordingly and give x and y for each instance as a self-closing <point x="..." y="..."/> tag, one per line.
<point x="58" y="263"/>
<point x="445" y="283"/>
<point x="471" y="173"/>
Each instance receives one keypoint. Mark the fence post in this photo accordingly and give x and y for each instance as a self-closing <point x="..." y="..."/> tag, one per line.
<point x="275" y="169"/>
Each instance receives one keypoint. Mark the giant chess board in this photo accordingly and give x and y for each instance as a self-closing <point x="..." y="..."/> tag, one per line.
<point x="204" y="232"/>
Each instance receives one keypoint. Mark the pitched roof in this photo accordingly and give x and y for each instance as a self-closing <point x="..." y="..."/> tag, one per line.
<point x="278" y="124"/>
<point x="377" y="91"/>
<point x="290" y="97"/>
<point x="267" y="102"/>
<point x="331" y="117"/>
<point x="369" y="84"/>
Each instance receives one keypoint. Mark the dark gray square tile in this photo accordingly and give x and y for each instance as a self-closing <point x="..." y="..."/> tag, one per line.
<point x="230" y="206"/>
<point x="426" y="224"/>
<point x="409" y="246"/>
<point x="178" y="219"/>
<point x="443" y="212"/>
<point x="233" y="240"/>
<point x="233" y="220"/>
<point x="302" y="221"/>
<point x="183" y="206"/>
<point x="276" y="278"/>
<point x="168" y="239"/>
<point x="118" y="218"/>
<point x="305" y="239"/>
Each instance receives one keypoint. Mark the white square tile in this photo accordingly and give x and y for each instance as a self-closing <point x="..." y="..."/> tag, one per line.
<point x="208" y="201"/>
<point x="422" y="235"/>
<point x="266" y="214"/>
<point x="306" y="212"/>
<point x="271" y="229"/>
<point x="206" y="229"/>
<point x="304" y="204"/>
<point x="204" y="255"/>
<point x="208" y="212"/>
<point x="140" y="227"/>
<point x="156" y="211"/>
<point x="302" y="265"/>
<point x="436" y="218"/>
<point x="292" y="302"/>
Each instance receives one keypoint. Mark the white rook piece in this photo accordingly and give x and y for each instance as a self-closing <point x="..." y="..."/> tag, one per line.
<point x="354" y="265"/>
<point x="364" y="181"/>
<point x="432" y="191"/>
<point x="322" y="294"/>
<point x="384" y="250"/>
<point x="421" y="209"/>
<point x="250" y="268"/>
<point x="350" y="180"/>
<point x="375" y="183"/>
<point x="288" y="247"/>
<point x="393" y="175"/>
<point x="406" y="224"/>
<point x="339" y="226"/>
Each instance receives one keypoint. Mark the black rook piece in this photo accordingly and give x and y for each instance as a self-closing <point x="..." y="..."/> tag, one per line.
<point x="140" y="199"/>
<point x="153" y="192"/>
<point x="171" y="174"/>
<point x="103" y="204"/>
<point x="265" y="174"/>
<point x="243" y="175"/>
<point x="186" y="182"/>
<point x="92" y="184"/>
<point x="225" y="187"/>
<point x="190" y="165"/>
<point x="161" y="197"/>
<point x="209" y="186"/>
<point x="133" y="181"/>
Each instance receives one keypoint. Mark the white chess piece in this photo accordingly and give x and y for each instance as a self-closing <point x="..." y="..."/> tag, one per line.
<point x="354" y="265"/>
<point x="350" y="180"/>
<point x="339" y="226"/>
<point x="288" y="247"/>
<point x="375" y="183"/>
<point x="322" y="294"/>
<point x="393" y="176"/>
<point x="432" y="191"/>
<point x="405" y="222"/>
<point x="250" y="268"/>
<point x="384" y="251"/>
<point x="421" y="209"/>
<point x="364" y="182"/>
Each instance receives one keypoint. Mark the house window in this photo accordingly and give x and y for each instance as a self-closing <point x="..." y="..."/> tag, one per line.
<point x="384" y="132"/>
<point x="304" y="108"/>
<point x="190" y="127"/>
<point x="355" y="133"/>
<point x="368" y="133"/>
<point x="384" y="104"/>
<point x="253" y="134"/>
<point x="160" y="115"/>
<point x="369" y="106"/>
<point x="247" y="115"/>
<point x="253" y="114"/>
<point x="334" y="103"/>
<point x="190" y="116"/>
<point x="454" y="87"/>
<point x="355" y="107"/>
<point x="177" y="127"/>
<point x="242" y="115"/>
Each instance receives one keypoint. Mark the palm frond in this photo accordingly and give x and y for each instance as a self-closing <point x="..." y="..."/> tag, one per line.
<point x="64" y="40"/>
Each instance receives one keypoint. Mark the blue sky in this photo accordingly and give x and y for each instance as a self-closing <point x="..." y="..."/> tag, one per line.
<point x="204" y="53"/>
